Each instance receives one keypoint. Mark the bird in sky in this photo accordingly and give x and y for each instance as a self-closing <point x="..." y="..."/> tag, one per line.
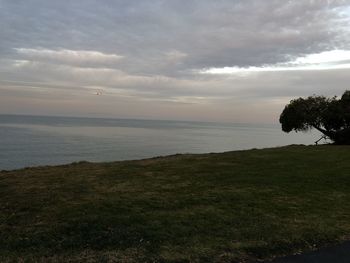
<point x="98" y="92"/>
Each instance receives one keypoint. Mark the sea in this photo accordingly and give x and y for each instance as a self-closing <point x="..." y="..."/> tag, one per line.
<point x="27" y="141"/>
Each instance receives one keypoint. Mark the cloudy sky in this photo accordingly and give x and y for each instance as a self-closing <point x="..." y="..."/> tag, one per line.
<point x="223" y="60"/>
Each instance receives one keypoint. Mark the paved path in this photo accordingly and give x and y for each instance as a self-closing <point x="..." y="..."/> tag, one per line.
<point x="336" y="254"/>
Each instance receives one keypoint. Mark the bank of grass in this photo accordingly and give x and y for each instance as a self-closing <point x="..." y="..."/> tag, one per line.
<point x="225" y="207"/>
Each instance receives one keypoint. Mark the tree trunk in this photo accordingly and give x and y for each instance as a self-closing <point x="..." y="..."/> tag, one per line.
<point x="329" y="134"/>
<point x="341" y="137"/>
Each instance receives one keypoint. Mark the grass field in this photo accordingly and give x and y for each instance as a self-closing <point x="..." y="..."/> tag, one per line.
<point x="228" y="207"/>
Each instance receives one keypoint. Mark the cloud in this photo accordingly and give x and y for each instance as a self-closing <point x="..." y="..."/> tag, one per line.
<point x="152" y="55"/>
<point x="328" y="60"/>
<point x="175" y="56"/>
<point x="66" y="56"/>
<point x="333" y="56"/>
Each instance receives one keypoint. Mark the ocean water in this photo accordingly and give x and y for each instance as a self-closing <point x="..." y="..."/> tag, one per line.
<point x="38" y="140"/>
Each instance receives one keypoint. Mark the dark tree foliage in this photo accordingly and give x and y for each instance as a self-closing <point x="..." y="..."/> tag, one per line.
<point x="331" y="116"/>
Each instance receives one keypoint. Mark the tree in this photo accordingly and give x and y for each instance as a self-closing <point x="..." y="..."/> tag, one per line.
<point x="330" y="116"/>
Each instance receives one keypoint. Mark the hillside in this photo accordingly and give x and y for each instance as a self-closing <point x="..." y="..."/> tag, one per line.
<point x="222" y="207"/>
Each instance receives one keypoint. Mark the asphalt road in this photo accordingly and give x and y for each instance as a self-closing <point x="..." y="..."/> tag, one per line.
<point x="336" y="254"/>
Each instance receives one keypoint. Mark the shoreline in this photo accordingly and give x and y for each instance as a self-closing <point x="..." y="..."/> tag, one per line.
<point x="157" y="157"/>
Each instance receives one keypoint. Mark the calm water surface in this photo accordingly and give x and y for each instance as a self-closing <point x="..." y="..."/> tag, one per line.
<point x="35" y="140"/>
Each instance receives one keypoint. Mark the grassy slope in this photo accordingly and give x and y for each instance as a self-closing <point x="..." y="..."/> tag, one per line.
<point x="224" y="207"/>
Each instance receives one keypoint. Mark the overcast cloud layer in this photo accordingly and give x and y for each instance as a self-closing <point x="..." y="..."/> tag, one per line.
<point x="238" y="61"/>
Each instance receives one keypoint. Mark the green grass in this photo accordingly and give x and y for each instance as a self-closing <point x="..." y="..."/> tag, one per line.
<point x="226" y="207"/>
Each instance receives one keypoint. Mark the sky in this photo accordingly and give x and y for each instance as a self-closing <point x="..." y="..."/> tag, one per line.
<point x="201" y="60"/>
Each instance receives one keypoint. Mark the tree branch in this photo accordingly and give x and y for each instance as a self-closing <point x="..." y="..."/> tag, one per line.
<point x="325" y="132"/>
